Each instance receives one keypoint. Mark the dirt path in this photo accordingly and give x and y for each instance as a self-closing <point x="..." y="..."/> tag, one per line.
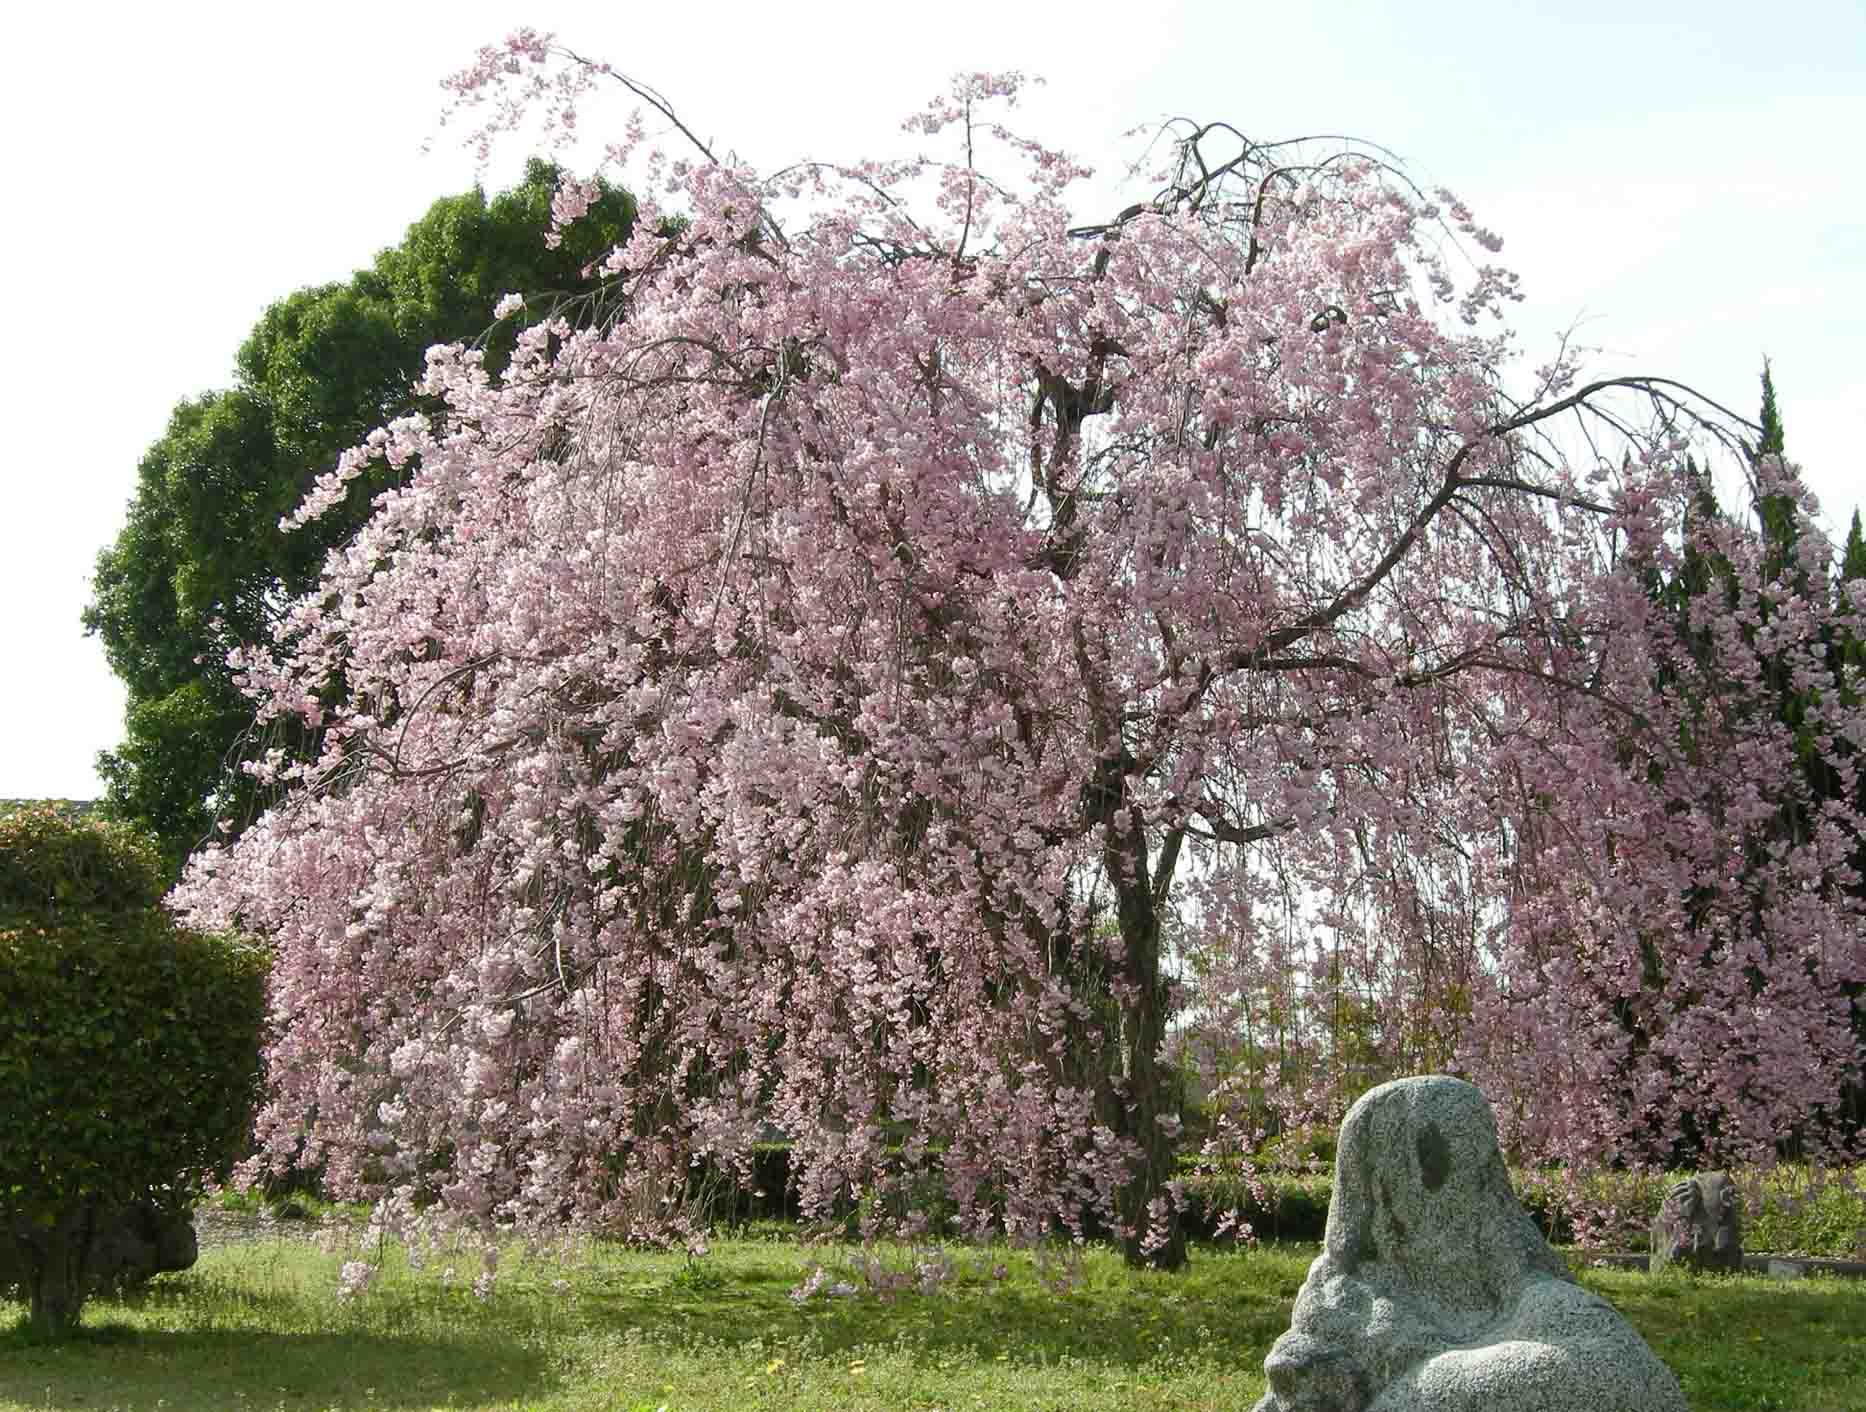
<point x="215" y="1226"/>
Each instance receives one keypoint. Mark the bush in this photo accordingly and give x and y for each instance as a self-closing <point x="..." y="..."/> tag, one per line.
<point x="1276" y="1205"/>
<point x="1805" y="1210"/>
<point x="1787" y="1210"/>
<point x="54" y="861"/>
<point x="129" y="1052"/>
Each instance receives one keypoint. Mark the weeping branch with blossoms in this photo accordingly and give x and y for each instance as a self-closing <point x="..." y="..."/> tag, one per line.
<point x="927" y="667"/>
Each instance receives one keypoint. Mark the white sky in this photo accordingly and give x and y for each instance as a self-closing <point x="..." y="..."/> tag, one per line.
<point x="1686" y="186"/>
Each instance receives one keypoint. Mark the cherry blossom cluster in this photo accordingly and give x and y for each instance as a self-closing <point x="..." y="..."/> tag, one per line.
<point x="929" y="667"/>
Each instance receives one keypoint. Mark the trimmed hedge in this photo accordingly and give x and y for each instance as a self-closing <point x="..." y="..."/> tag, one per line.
<point x="129" y="1047"/>
<point x="129" y="1057"/>
<point x="1279" y="1206"/>
<point x="1788" y="1211"/>
<point x="54" y="861"/>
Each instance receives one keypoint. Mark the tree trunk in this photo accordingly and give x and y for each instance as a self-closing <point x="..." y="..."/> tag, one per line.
<point x="1155" y="1238"/>
<point x="53" y="1259"/>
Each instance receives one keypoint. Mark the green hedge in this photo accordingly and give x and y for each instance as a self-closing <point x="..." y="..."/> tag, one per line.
<point x="1790" y="1210"/>
<point x="129" y="1048"/>
<point x="1276" y="1207"/>
<point x="1787" y="1210"/>
<point x="54" y="861"/>
<point x="128" y="1057"/>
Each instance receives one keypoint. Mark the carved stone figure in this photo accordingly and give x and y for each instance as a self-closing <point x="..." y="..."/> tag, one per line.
<point x="1698" y="1225"/>
<point x="1436" y="1291"/>
<point x="129" y="1245"/>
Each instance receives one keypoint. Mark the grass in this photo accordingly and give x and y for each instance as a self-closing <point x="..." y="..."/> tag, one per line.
<point x="600" y="1329"/>
<point x="1749" y="1341"/>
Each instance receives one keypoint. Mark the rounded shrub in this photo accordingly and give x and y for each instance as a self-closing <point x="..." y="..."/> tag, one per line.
<point x="54" y="862"/>
<point x="129" y="1056"/>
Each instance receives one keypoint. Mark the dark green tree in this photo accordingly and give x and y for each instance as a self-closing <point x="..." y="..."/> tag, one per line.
<point x="201" y="565"/>
<point x="1853" y="557"/>
<point x="1771" y="442"/>
<point x="1775" y="503"/>
<point x="1847" y="662"/>
<point x="1824" y="766"/>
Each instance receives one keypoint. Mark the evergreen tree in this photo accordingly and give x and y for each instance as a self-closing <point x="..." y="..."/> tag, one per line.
<point x="1847" y="664"/>
<point x="1853" y="558"/>
<point x="1787" y="585"/>
<point x="201" y="566"/>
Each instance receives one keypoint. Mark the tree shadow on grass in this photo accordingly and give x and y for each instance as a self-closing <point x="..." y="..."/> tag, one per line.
<point x="141" y="1370"/>
<point x="415" y="1345"/>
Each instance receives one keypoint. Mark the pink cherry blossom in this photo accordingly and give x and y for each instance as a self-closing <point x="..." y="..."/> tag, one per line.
<point x="935" y="665"/>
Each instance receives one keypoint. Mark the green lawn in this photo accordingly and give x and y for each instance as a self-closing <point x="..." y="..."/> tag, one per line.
<point x="600" y="1329"/>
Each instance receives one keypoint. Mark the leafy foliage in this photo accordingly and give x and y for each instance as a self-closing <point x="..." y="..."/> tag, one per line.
<point x="201" y="566"/>
<point x="54" y="863"/>
<point x="129" y="1047"/>
<point x="129" y="1052"/>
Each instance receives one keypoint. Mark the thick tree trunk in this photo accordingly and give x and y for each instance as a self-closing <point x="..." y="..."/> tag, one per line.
<point x="53" y="1259"/>
<point x="1155" y="1238"/>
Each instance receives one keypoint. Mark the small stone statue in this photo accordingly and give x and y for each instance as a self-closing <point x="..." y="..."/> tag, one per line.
<point x="1698" y="1225"/>
<point x="140" y="1243"/>
<point x="1435" y="1290"/>
<point x="129" y="1245"/>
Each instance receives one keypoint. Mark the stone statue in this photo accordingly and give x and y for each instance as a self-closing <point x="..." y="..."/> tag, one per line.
<point x="1698" y="1225"/>
<point x="129" y="1245"/>
<point x="140" y="1243"/>
<point x="1435" y="1290"/>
